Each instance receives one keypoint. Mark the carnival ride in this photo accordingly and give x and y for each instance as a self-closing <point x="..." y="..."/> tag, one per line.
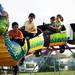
<point x="11" y="52"/>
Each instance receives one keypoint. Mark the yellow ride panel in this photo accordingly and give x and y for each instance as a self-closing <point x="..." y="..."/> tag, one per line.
<point x="5" y="58"/>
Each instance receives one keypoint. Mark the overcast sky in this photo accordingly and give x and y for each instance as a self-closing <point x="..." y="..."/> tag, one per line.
<point x="19" y="9"/>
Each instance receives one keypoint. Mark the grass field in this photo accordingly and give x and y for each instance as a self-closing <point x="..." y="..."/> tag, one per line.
<point x="50" y="73"/>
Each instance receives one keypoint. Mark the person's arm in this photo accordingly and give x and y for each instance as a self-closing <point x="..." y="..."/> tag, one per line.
<point x="11" y="35"/>
<point x="52" y="27"/>
<point x="34" y="29"/>
<point x="59" y="28"/>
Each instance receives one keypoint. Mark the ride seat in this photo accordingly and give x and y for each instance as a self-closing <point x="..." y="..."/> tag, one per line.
<point x="73" y="29"/>
<point x="73" y="26"/>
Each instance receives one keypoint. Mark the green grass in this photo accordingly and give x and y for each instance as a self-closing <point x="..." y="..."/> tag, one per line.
<point x="51" y="73"/>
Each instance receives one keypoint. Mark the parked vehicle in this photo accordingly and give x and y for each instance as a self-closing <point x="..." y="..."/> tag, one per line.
<point x="29" y="66"/>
